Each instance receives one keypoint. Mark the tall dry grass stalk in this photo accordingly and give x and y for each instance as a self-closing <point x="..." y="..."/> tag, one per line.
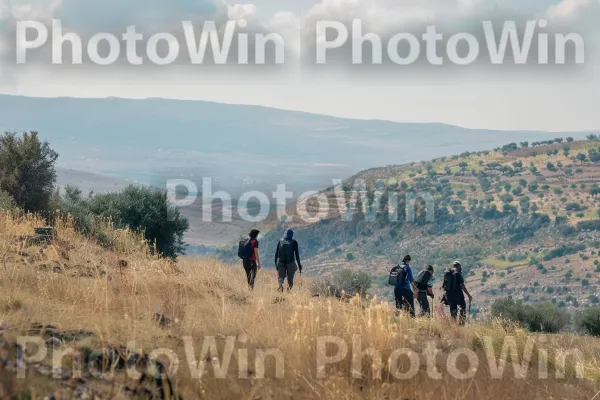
<point x="74" y="283"/>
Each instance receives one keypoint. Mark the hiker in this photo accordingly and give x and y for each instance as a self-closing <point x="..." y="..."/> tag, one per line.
<point x="454" y="285"/>
<point x="424" y="282"/>
<point x="248" y="252"/>
<point x="405" y="288"/>
<point x="286" y="257"/>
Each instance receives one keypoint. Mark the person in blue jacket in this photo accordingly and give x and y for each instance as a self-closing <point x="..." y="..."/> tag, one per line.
<point x="405" y="289"/>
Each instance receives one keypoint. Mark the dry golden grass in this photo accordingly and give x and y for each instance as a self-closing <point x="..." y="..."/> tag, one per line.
<point x="75" y="284"/>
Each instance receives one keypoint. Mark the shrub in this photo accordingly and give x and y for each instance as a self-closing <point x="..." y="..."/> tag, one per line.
<point x="560" y="220"/>
<point x="567" y="230"/>
<point x="506" y="198"/>
<point x="541" y="317"/>
<point x="141" y="209"/>
<point x="27" y="171"/>
<point x="589" y="320"/>
<point x="349" y="256"/>
<point x="347" y="281"/>
<point x="6" y="201"/>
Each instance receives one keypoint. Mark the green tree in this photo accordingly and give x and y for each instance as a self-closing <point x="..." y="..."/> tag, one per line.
<point x="27" y="171"/>
<point x="581" y="157"/>
<point x="589" y="320"/>
<point x="139" y="208"/>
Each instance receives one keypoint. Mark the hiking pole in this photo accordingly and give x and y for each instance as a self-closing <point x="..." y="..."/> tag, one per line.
<point x="469" y="316"/>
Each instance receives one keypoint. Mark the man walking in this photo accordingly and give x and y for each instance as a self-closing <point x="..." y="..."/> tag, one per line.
<point x="424" y="282"/>
<point x="248" y="252"/>
<point x="286" y="257"/>
<point x="405" y="286"/>
<point x="454" y="285"/>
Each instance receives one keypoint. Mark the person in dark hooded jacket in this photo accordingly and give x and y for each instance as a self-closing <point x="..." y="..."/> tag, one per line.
<point x="286" y="257"/>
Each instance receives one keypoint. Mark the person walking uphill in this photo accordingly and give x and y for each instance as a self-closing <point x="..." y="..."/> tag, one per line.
<point x="286" y="257"/>
<point x="454" y="285"/>
<point x="405" y="286"/>
<point x="248" y="252"/>
<point x="424" y="282"/>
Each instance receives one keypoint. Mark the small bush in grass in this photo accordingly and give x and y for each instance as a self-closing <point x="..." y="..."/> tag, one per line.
<point x="6" y="201"/>
<point x="589" y="320"/>
<point x="348" y="281"/>
<point x="540" y="317"/>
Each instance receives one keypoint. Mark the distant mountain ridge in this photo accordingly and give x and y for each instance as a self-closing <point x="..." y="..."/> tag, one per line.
<point x="239" y="146"/>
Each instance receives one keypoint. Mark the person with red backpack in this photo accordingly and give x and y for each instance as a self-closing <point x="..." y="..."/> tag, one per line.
<point x="248" y="252"/>
<point x="286" y="257"/>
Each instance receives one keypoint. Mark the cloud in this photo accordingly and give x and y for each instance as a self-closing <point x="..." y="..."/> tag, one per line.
<point x="238" y="12"/>
<point x="107" y="15"/>
<point x="569" y="9"/>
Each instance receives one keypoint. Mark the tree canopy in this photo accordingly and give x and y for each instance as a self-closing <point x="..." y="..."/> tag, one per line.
<point x="27" y="171"/>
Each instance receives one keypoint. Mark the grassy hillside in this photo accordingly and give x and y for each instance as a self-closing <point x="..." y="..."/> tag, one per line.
<point x="74" y="296"/>
<point x="523" y="220"/>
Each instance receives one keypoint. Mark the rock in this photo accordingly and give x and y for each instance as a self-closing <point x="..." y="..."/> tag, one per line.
<point x="162" y="320"/>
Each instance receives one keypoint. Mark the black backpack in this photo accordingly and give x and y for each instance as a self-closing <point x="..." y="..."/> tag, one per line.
<point x="397" y="276"/>
<point x="245" y="249"/>
<point x="286" y="252"/>
<point x="450" y="281"/>
<point x="422" y="280"/>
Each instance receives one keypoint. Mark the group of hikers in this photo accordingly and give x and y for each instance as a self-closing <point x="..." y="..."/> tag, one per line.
<point x="406" y="287"/>
<point x="287" y="258"/>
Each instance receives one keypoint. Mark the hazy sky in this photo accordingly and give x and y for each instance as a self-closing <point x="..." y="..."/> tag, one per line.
<point x="502" y="97"/>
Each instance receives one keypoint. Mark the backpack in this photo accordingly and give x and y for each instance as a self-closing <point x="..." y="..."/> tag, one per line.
<point x="286" y="252"/>
<point x="245" y="249"/>
<point x="397" y="276"/>
<point x="450" y="282"/>
<point x="422" y="280"/>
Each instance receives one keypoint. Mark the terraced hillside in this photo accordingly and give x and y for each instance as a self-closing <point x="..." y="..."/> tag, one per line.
<point x="523" y="219"/>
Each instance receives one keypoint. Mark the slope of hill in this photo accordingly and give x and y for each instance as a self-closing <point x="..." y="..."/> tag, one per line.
<point x="88" y="182"/>
<point x="238" y="146"/>
<point x="79" y="321"/>
<point x="524" y="221"/>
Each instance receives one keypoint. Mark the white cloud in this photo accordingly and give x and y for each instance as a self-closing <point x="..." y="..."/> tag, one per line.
<point x="569" y="9"/>
<point x="242" y="11"/>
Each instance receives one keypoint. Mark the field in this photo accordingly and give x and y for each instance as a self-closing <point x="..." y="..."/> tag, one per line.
<point x="100" y="302"/>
